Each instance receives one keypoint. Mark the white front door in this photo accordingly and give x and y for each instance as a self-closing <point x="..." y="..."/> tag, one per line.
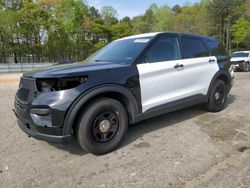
<point x="165" y="77"/>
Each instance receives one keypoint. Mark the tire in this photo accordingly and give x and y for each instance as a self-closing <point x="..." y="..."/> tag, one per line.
<point x="246" y="67"/>
<point x="102" y="126"/>
<point x="217" y="97"/>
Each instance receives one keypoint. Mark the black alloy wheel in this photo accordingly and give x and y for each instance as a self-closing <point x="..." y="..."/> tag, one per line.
<point x="102" y="125"/>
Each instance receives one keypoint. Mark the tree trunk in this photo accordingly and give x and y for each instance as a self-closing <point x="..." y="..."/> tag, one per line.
<point x="3" y="56"/>
<point x="28" y="48"/>
<point x="19" y="52"/>
<point x="15" y="58"/>
<point x="49" y="52"/>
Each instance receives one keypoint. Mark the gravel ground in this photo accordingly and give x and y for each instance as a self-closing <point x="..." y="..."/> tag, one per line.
<point x="187" y="148"/>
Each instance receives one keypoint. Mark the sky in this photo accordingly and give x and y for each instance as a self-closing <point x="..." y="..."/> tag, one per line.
<point x="133" y="8"/>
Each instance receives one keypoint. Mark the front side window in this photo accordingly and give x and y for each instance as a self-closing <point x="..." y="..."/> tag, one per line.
<point x="123" y="51"/>
<point x="164" y="49"/>
<point x="193" y="48"/>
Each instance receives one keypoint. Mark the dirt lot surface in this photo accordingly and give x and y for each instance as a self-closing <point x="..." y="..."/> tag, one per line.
<point x="188" y="148"/>
<point x="9" y="80"/>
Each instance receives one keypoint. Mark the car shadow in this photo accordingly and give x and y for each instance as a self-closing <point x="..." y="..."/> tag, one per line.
<point x="230" y="99"/>
<point x="136" y="131"/>
<point x="72" y="147"/>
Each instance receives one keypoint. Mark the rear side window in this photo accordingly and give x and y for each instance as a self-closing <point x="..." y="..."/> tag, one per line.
<point x="216" y="47"/>
<point x="164" y="49"/>
<point x="193" y="48"/>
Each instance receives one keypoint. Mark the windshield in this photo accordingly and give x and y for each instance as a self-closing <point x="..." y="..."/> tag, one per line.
<point x="121" y="51"/>
<point x="240" y="54"/>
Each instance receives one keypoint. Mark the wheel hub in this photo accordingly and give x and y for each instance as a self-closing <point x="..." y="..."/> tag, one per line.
<point x="104" y="126"/>
<point x="217" y="95"/>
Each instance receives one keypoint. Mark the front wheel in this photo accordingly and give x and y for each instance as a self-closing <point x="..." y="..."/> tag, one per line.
<point x="217" y="97"/>
<point x="102" y="126"/>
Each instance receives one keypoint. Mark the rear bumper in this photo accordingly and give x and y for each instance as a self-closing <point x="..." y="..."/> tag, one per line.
<point x="45" y="137"/>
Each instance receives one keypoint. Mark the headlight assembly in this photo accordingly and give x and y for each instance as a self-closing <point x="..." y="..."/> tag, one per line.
<point x="47" y="85"/>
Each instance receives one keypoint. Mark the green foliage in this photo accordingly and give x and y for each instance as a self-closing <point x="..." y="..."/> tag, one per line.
<point x="99" y="45"/>
<point x="176" y="9"/>
<point x="246" y="8"/>
<point x="109" y="15"/>
<point x="192" y="19"/>
<point x="240" y="31"/>
<point x="223" y="14"/>
<point x="57" y="30"/>
<point x="145" y="23"/>
<point x="120" y="30"/>
<point x="163" y="17"/>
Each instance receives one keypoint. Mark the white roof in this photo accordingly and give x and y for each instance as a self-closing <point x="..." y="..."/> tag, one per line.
<point x="140" y="36"/>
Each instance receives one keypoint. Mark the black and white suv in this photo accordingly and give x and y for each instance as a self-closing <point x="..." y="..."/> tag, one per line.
<point x="241" y="61"/>
<point x="129" y="80"/>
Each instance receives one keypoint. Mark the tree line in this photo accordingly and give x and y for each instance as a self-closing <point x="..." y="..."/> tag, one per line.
<point x="70" y="30"/>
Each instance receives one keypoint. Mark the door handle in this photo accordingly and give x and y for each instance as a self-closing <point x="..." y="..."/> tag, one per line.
<point x="211" y="60"/>
<point x="178" y="66"/>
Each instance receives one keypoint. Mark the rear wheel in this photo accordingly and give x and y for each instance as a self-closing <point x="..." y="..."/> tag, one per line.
<point x="217" y="97"/>
<point x="102" y="126"/>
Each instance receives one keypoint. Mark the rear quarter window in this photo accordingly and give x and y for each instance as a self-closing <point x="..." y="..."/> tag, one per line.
<point x="216" y="48"/>
<point x="193" y="48"/>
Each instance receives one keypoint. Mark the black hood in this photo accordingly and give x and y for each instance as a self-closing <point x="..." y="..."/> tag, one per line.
<point x="70" y="70"/>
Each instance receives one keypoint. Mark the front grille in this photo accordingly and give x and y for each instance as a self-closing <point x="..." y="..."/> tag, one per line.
<point x="27" y="89"/>
<point x="236" y="62"/>
<point x="23" y="94"/>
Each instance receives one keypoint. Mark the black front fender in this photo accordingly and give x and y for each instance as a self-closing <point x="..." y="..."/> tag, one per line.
<point x="78" y="104"/>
